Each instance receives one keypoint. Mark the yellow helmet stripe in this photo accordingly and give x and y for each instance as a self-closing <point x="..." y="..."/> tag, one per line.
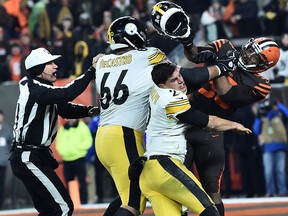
<point x="158" y="8"/>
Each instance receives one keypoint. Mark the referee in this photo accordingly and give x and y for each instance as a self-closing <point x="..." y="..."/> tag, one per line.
<point x="35" y="128"/>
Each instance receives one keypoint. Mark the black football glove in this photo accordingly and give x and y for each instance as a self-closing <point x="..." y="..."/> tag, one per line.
<point x="227" y="63"/>
<point x="188" y="41"/>
<point x="136" y="167"/>
<point x="206" y="56"/>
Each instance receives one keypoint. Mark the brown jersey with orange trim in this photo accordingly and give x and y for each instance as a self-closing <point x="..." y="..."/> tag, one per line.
<point x="246" y="88"/>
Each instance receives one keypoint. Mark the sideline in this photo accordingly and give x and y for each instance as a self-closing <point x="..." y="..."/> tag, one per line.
<point x="104" y="205"/>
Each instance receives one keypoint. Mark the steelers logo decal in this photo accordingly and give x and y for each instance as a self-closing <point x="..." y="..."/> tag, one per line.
<point x="131" y="29"/>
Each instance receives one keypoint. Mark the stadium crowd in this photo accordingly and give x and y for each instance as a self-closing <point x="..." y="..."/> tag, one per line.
<point x="78" y="29"/>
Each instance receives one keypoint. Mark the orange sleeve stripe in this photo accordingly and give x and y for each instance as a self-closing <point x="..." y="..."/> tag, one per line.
<point x="218" y="44"/>
<point x="265" y="86"/>
<point x="261" y="90"/>
<point x="232" y="81"/>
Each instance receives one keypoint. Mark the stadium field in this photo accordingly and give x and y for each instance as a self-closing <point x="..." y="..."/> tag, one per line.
<point x="275" y="206"/>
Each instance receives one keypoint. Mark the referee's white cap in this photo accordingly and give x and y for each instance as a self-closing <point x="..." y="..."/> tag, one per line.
<point x="39" y="56"/>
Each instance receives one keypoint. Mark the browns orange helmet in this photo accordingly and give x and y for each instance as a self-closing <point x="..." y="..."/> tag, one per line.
<point x="258" y="55"/>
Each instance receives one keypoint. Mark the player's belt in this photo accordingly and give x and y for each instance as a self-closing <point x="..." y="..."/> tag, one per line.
<point x="158" y="157"/>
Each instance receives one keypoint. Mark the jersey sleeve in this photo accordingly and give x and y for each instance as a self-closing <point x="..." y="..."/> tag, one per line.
<point x="257" y="89"/>
<point x="47" y="94"/>
<point x="177" y="104"/>
<point x="155" y="56"/>
<point x="217" y="44"/>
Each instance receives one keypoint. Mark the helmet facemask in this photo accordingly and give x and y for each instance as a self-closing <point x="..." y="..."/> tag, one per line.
<point x="252" y="57"/>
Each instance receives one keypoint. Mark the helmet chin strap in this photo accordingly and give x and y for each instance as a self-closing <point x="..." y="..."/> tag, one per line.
<point x="131" y="44"/>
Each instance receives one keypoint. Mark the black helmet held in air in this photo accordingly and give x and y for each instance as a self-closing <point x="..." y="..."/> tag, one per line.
<point x="169" y="19"/>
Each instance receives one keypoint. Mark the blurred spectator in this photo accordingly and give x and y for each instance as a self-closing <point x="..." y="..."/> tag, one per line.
<point x="99" y="169"/>
<point x="14" y="61"/>
<point x="103" y="45"/>
<point x="194" y="9"/>
<point x="81" y="59"/>
<point x="4" y="52"/>
<point x="120" y="8"/>
<point x="145" y="17"/>
<point x="98" y="9"/>
<point x="281" y="68"/>
<point x="283" y="4"/>
<point x="245" y="16"/>
<point x="141" y="5"/>
<point x="19" y="11"/>
<point x="52" y="15"/>
<point x="134" y="12"/>
<point x="33" y="19"/>
<point x="72" y="143"/>
<point x="249" y="154"/>
<point x="272" y="18"/>
<point x="5" y="145"/>
<point x="26" y="45"/>
<point x="272" y="135"/>
<point x="212" y="21"/>
<point x="107" y="20"/>
<point x="231" y="26"/>
<point x="67" y="28"/>
<point x="7" y="21"/>
<point x="62" y="44"/>
<point x="76" y="9"/>
<point x="25" y="42"/>
<point x="84" y="41"/>
<point x="59" y="46"/>
<point x="86" y="6"/>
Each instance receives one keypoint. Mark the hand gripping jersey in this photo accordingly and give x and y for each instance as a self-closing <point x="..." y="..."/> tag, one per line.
<point x="124" y="83"/>
<point x="165" y="133"/>
<point x="247" y="88"/>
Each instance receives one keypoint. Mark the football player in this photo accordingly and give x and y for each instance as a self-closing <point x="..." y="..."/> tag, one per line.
<point x="220" y="97"/>
<point x="123" y="84"/>
<point x="172" y="184"/>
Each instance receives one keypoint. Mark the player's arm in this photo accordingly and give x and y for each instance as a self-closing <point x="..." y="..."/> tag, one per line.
<point x="194" y="77"/>
<point x="209" y="54"/>
<point x="72" y="111"/>
<point x="200" y="54"/>
<point x="242" y="95"/>
<point x="222" y="85"/>
<point x="200" y="119"/>
<point x="221" y="124"/>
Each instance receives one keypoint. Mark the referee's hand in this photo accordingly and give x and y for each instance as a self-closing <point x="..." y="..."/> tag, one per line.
<point x="95" y="59"/>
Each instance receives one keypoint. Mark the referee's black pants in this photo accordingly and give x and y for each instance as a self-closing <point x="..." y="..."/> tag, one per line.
<point x="36" y="171"/>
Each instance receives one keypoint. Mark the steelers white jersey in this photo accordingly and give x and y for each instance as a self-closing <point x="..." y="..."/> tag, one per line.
<point x="165" y="133"/>
<point x="124" y="83"/>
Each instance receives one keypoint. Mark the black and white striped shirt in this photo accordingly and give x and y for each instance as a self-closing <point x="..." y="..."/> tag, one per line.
<point x="39" y="105"/>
